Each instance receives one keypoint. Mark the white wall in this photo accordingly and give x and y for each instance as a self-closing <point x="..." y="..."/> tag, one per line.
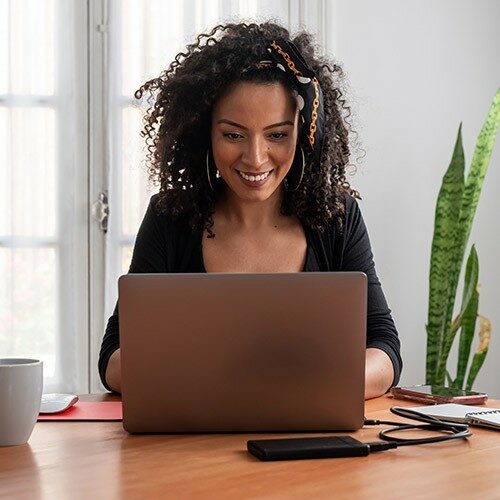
<point x="416" y="70"/>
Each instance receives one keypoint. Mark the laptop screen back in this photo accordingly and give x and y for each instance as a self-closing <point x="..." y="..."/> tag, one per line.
<point x="243" y="352"/>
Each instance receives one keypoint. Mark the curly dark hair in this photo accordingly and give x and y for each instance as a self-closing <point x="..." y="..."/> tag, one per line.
<point x="177" y="124"/>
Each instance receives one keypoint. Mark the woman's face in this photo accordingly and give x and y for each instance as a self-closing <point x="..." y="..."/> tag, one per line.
<point x="254" y="134"/>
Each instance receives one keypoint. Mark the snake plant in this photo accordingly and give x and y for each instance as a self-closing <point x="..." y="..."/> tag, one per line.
<point x="455" y="210"/>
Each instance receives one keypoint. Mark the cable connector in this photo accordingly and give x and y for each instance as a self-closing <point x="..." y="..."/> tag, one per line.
<point x="371" y="422"/>
<point x="382" y="446"/>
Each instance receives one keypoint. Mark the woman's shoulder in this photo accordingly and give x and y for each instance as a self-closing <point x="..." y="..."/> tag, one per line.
<point x="173" y="237"/>
<point x="352" y="211"/>
<point x="348" y="216"/>
<point x="155" y="211"/>
<point x="350" y="203"/>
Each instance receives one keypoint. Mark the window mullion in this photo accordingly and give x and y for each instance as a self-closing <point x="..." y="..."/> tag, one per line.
<point x="97" y="32"/>
<point x="72" y="354"/>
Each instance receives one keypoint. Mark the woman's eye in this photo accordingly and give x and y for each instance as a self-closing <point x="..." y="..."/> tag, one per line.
<point x="232" y="135"/>
<point x="279" y="135"/>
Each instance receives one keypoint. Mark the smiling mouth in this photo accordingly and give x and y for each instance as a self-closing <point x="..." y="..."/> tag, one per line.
<point x="253" y="177"/>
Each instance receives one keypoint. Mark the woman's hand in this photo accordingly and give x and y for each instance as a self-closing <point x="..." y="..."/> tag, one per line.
<point x="113" y="372"/>
<point x="379" y="373"/>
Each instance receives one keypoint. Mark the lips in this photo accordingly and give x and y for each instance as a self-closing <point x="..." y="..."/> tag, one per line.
<point x="254" y="179"/>
<point x="254" y="176"/>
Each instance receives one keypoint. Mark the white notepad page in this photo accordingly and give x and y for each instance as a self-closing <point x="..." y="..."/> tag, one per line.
<point x="453" y="412"/>
<point x="489" y="418"/>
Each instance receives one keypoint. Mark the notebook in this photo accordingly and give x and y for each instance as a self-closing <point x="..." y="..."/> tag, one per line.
<point x="481" y="416"/>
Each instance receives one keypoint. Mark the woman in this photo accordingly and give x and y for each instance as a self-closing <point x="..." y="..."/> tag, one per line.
<point x="248" y="140"/>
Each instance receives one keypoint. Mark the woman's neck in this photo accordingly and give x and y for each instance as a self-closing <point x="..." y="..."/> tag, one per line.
<point x="250" y="214"/>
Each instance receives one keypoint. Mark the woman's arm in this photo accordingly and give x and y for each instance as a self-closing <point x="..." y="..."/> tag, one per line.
<point x="151" y="255"/>
<point x="379" y="373"/>
<point x="383" y="356"/>
<point x="113" y="372"/>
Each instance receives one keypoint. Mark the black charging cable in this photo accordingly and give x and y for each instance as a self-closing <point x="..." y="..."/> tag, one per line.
<point x="451" y="430"/>
<point x="347" y="446"/>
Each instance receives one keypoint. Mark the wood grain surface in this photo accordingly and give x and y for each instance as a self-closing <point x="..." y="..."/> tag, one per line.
<point x="100" y="460"/>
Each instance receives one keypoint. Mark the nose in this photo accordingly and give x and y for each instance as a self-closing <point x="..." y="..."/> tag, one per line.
<point x="256" y="153"/>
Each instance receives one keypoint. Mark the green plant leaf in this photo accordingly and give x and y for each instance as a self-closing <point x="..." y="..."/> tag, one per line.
<point x="466" y="336"/>
<point x="443" y="243"/>
<point x="442" y="294"/>
<point x="482" y="350"/>
<point x="470" y="199"/>
<point x="477" y="172"/>
<point x="471" y="277"/>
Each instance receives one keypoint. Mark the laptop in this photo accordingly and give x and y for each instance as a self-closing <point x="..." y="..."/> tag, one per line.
<point x="223" y="352"/>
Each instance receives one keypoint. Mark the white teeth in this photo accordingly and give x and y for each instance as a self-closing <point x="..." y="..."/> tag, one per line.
<point x="254" y="178"/>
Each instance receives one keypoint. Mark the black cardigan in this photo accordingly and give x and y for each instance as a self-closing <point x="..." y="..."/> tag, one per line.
<point x="172" y="247"/>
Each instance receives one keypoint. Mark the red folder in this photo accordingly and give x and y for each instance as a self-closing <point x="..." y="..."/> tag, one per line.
<point x="87" y="411"/>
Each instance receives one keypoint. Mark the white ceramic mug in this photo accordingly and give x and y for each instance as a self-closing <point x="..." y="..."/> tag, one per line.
<point x="21" y="384"/>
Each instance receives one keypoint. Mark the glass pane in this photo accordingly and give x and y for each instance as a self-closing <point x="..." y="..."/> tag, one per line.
<point x="248" y="8"/>
<point x="27" y="32"/>
<point x="28" y="304"/>
<point x="146" y="45"/>
<point x="207" y="15"/>
<point x="147" y="48"/>
<point x="277" y="10"/>
<point x="126" y="258"/>
<point x="5" y="174"/>
<point x="4" y="46"/>
<point x="135" y="187"/>
<point x="27" y="172"/>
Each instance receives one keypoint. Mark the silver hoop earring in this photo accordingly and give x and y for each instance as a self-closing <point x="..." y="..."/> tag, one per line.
<point x="301" y="173"/>
<point x="217" y="173"/>
<point x="208" y="172"/>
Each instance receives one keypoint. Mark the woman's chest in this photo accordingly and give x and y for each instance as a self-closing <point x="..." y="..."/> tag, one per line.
<point x="262" y="253"/>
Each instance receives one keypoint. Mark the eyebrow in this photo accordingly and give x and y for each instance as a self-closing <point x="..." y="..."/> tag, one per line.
<point x="279" y="124"/>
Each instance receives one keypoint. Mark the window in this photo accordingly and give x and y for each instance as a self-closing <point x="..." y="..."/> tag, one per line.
<point x="141" y="45"/>
<point x="69" y="131"/>
<point x="43" y="253"/>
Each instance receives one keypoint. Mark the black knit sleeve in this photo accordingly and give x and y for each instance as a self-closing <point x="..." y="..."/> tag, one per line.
<point x="357" y="256"/>
<point x="150" y="255"/>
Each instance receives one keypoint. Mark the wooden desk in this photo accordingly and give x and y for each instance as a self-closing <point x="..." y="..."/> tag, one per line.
<point x="100" y="460"/>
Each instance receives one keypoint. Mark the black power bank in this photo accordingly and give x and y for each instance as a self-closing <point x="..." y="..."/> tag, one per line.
<point x="304" y="448"/>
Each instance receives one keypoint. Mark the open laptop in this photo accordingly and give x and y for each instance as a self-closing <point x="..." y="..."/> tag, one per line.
<point x="221" y="352"/>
